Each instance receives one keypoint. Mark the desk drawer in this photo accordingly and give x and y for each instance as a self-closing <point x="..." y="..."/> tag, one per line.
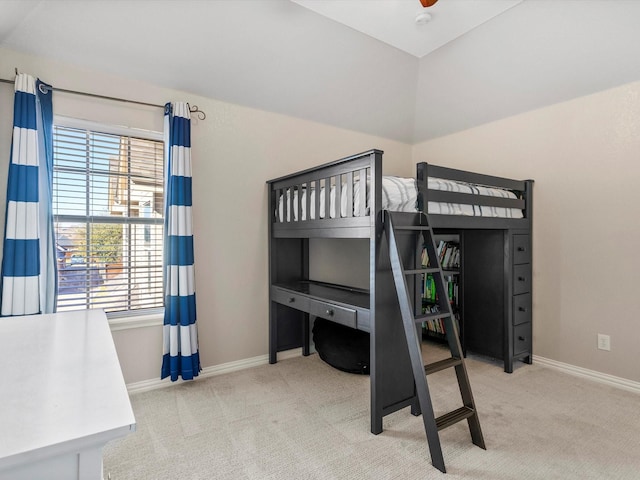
<point x="341" y="315"/>
<point x="521" y="308"/>
<point x="521" y="279"/>
<point x="521" y="253"/>
<point x="522" y="338"/>
<point x="290" y="299"/>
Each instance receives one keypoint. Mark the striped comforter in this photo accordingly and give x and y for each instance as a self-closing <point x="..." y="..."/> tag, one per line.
<point x="401" y="195"/>
<point x="470" y="210"/>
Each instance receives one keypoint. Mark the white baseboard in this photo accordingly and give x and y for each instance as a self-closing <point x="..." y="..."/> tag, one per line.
<point x="155" y="383"/>
<point x="604" y="378"/>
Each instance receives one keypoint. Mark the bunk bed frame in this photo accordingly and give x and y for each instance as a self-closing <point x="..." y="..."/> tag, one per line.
<point x="294" y="297"/>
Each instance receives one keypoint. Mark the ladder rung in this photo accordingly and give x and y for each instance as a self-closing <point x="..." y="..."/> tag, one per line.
<point x="412" y="228"/>
<point x="421" y="270"/>
<point x="454" y="417"/>
<point x="431" y="316"/>
<point x="441" y="365"/>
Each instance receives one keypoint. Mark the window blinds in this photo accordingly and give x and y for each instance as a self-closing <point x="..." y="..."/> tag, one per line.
<point x="108" y="213"/>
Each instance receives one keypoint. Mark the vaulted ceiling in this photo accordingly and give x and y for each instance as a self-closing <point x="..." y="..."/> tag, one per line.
<point x="284" y="56"/>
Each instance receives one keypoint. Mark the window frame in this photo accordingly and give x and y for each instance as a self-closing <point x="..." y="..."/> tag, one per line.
<point x="128" y="319"/>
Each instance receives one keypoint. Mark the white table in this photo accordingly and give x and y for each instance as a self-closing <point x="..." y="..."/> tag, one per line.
<point x="62" y="396"/>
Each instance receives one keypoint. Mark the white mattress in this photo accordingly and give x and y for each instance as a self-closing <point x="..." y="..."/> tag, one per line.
<point x="401" y="195"/>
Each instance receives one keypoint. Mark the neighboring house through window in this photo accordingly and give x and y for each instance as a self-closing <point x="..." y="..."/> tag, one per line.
<point x="108" y="205"/>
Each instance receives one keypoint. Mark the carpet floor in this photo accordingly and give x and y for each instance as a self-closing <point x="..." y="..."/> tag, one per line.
<point x="302" y="419"/>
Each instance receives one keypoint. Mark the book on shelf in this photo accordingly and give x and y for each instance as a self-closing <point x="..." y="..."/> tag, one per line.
<point x="429" y="289"/>
<point x="446" y="261"/>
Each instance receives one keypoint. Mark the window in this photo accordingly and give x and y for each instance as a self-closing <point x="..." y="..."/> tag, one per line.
<point x="108" y="219"/>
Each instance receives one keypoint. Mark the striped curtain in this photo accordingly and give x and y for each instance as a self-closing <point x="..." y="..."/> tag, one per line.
<point x="180" y="355"/>
<point x="29" y="277"/>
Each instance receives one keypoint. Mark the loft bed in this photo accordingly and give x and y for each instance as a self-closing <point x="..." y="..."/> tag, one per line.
<point x="346" y="199"/>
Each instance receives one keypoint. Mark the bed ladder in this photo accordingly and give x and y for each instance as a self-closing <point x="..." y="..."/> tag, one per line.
<point x="422" y="233"/>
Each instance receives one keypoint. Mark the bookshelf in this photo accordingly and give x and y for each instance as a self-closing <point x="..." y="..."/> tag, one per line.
<point x="450" y="252"/>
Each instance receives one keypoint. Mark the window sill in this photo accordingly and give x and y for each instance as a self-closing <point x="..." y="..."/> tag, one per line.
<point x="136" y="321"/>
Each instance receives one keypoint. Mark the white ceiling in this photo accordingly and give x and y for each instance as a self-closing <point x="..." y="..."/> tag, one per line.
<point x="394" y="21"/>
<point x="279" y="56"/>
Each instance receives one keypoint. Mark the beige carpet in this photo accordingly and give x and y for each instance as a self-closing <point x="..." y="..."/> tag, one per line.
<point x="302" y="419"/>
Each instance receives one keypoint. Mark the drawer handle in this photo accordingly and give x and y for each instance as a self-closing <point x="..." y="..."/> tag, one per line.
<point x="521" y="279"/>
<point x="292" y="299"/>
<point x="330" y="312"/>
<point x="522" y="249"/>
<point x="522" y="309"/>
<point x="521" y="338"/>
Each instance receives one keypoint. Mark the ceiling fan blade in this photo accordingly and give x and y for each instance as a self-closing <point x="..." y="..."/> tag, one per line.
<point x="428" y="3"/>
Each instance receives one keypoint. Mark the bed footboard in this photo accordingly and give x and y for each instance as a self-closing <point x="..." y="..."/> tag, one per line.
<point x="520" y="202"/>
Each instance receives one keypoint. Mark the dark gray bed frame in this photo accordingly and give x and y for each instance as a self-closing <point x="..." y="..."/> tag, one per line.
<point x="495" y="278"/>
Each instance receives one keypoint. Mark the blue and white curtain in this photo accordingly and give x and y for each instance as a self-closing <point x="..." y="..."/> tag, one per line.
<point x="29" y="277"/>
<point x="180" y="356"/>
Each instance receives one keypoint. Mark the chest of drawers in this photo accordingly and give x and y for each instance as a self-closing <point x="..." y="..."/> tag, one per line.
<point x="519" y="327"/>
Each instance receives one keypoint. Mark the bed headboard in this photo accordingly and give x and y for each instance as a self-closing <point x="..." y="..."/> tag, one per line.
<point x="290" y="197"/>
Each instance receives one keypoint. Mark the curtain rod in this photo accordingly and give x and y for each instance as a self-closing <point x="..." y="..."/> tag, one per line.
<point x="192" y="108"/>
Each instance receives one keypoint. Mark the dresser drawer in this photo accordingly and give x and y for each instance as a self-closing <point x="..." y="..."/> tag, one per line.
<point x="521" y="249"/>
<point x="341" y="315"/>
<point x="521" y="279"/>
<point x="521" y="308"/>
<point x="522" y="338"/>
<point x="290" y="299"/>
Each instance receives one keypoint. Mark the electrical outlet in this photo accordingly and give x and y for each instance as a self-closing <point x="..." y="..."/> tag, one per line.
<point x="604" y="342"/>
